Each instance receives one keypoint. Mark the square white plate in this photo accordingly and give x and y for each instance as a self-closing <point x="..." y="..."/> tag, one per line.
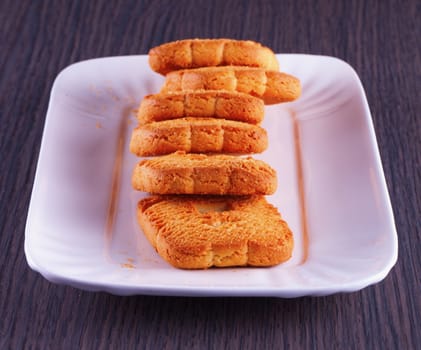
<point x="81" y="228"/>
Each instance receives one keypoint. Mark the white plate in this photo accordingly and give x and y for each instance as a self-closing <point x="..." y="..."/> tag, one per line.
<point x="81" y="227"/>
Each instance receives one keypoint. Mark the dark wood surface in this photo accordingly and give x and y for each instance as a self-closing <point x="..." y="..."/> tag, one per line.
<point x="380" y="39"/>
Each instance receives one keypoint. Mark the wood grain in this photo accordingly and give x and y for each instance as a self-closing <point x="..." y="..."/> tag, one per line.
<point x="380" y="39"/>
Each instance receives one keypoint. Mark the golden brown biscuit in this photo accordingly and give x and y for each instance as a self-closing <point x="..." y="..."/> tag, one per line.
<point x="181" y="173"/>
<point x="201" y="104"/>
<point x="197" y="135"/>
<point x="193" y="53"/>
<point x="193" y="232"/>
<point x="272" y="86"/>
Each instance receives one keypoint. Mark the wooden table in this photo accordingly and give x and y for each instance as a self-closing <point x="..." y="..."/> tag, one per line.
<point x="380" y="39"/>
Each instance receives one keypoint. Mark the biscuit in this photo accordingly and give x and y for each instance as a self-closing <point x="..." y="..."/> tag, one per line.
<point x="193" y="53"/>
<point x="181" y="173"/>
<point x="193" y="232"/>
<point x="272" y="86"/>
<point x="197" y="135"/>
<point x="201" y="104"/>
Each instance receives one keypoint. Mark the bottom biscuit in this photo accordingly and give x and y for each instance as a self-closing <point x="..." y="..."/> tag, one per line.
<point x="198" y="232"/>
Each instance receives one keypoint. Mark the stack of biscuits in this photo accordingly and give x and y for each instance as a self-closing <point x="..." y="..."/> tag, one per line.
<point x="207" y="205"/>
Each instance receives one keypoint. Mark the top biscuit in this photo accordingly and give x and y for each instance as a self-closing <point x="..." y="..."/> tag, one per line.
<point x="194" y="53"/>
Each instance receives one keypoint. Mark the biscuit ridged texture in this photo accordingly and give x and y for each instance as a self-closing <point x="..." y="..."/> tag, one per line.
<point x="196" y="232"/>
<point x="197" y="135"/>
<point x="193" y="53"/>
<point x="272" y="86"/>
<point x="181" y="173"/>
<point x="201" y="104"/>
